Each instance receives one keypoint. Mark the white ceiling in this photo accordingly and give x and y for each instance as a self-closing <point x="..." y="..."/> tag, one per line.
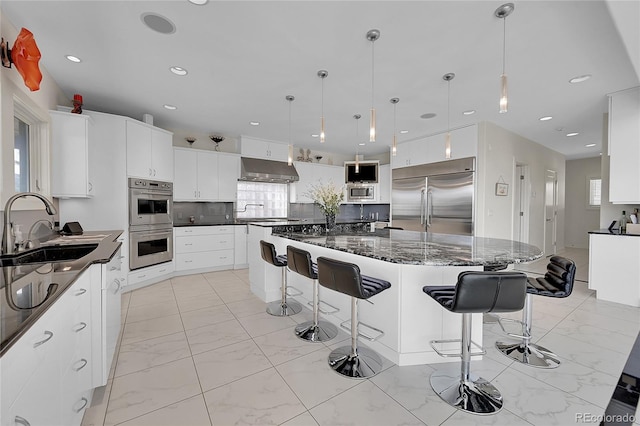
<point x="244" y="57"/>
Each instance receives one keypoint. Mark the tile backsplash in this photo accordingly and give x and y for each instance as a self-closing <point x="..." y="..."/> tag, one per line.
<point x="185" y="213"/>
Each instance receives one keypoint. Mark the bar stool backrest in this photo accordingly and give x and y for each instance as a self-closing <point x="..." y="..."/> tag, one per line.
<point x="559" y="278"/>
<point x="299" y="261"/>
<point x="268" y="253"/>
<point x="479" y="292"/>
<point x="340" y="276"/>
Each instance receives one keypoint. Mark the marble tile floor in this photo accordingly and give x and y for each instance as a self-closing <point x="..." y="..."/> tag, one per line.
<point x="200" y="350"/>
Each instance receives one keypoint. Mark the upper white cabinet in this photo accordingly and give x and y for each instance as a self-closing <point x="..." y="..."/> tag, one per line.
<point x="71" y="174"/>
<point x="149" y="152"/>
<point x="205" y="175"/>
<point x="624" y="147"/>
<point x="261" y="148"/>
<point x="431" y="149"/>
<point x="314" y="174"/>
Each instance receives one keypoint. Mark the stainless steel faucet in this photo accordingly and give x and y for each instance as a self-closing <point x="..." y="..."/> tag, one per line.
<point x="7" y="234"/>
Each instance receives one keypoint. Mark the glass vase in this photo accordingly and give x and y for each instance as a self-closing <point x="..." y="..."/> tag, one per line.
<point x="331" y="222"/>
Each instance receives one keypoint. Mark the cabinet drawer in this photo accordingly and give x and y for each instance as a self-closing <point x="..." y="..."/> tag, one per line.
<point x="203" y="243"/>
<point x="222" y="257"/>
<point x="205" y="259"/>
<point x="202" y="230"/>
<point x="149" y="273"/>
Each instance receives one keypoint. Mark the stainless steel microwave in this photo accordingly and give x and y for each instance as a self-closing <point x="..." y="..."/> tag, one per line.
<point x="362" y="193"/>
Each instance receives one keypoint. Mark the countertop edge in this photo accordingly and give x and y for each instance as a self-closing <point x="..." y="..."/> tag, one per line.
<point x="612" y="233"/>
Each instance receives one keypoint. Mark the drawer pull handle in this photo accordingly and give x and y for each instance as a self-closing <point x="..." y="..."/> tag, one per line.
<point x="188" y="244"/>
<point x="85" y="401"/>
<point x="81" y="327"/>
<point x="45" y="340"/>
<point x="84" y="364"/>
<point x="223" y="257"/>
<point x="223" y="242"/>
<point x="142" y="276"/>
<point x="188" y="261"/>
<point x="113" y="268"/>
<point x="163" y="270"/>
<point x="22" y="421"/>
<point x="119" y="286"/>
<point x="81" y="291"/>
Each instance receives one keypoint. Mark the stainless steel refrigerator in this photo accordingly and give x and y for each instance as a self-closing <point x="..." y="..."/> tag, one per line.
<point x="436" y="197"/>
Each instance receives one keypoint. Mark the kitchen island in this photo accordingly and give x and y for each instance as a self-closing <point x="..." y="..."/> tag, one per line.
<point x="408" y="260"/>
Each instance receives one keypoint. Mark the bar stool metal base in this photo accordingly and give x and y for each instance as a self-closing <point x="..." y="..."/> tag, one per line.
<point x="529" y="354"/>
<point x="365" y="364"/>
<point x="320" y="332"/>
<point x="280" y="309"/>
<point x="475" y="396"/>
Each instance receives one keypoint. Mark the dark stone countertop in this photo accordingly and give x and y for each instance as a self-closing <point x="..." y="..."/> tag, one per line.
<point x="613" y="232"/>
<point x="418" y="248"/>
<point x="15" y="315"/>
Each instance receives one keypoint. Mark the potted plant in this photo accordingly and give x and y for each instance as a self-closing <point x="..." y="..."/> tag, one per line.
<point x="328" y="197"/>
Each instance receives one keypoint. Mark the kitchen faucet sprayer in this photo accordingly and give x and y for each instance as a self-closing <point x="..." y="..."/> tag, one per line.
<point x="7" y="234"/>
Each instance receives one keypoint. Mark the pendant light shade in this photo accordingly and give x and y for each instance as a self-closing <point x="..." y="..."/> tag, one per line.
<point x="322" y="74"/>
<point x="502" y="12"/>
<point x="357" y="165"/>
<point x="290" y="99"/>
<point x="372" y="36"/>
<point x="447" y="138"/>
<point x="394" y="141"/>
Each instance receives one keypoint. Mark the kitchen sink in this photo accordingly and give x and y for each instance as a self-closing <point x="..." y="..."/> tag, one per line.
<point x="48" y="254"/>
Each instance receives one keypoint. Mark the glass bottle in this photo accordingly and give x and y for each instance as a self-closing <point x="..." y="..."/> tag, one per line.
<point x="623" y="222"/>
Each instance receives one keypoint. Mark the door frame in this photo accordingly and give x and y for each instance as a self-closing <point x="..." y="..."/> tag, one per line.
<point x="521" y="202"/>
<point x="550" y="248"/>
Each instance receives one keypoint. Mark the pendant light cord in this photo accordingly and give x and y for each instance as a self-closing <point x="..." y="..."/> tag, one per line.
<point x="504" y="44"/>
<point x="372" y="70"/>
<point x="448" y="105"/>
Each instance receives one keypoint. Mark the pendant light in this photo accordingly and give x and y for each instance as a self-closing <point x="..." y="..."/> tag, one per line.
<point x="394" y="142"/>
<point x="357" y="166"/>
<point x="322" y="74"/>
<point x="502" y="12"/>
<point x="372" y="36"/>
<point x="290" y="98"/>
<point x="447" y="139"/>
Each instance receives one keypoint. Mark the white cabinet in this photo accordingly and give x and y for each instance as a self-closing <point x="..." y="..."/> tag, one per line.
<point x="205" y="175"/>
<point x="384" y="183"/>
<point x="204" y="247"/>
<point x="152" y="273"/>
<point x="240" y="247"/>
<point x="314" y="174"/>
<point x="149" y="152"/>
<point x="431" y="149"/>
<point x="261" y="148"/>
<point x="71" y="174"/>
<point x="614" y="271"/>
<point x="46" y="375"/>
<point x="624" y="148"/>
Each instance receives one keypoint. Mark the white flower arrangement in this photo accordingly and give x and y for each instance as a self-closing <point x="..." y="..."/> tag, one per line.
<point x="327" y="196"/>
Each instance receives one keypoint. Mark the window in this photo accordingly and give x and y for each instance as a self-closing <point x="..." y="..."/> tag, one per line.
<point x="594" y="192"/>
<point x="21" y="163"/>
<point x="259" y="200"/>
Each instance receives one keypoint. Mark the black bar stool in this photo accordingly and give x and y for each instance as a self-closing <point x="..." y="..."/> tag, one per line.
<point x="343" y="277"/>
<point x="313" y="331"/>
<point x="283" y="308"/>
<point x="557" y="282"/>
<point x="492" y="318"/>
<point x="475" y="292"/>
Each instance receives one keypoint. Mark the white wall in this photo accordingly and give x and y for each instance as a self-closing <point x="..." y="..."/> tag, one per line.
<point x="580" y="218"/>
<point x="39" y="102"/>
<point x="498" y="152"/>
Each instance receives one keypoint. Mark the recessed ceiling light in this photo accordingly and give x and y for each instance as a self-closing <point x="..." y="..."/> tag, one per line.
<point x="178" y="71"/>
<point x="73" y="58"/>
<point x="545" y="118"/>
<point x="314" y="135"/>
<point x="469" y="112"/>
<point x="589" y="145"/>
<point x="171" y="107"/>
<point x="404" y="132"/>
<point x="600" y="154"/>
<point x="254" y="123"/>
<point x="580" y="78"/>
<point x="428" y="115"/>
<point x="573" y="134"/>
<point x="199" y="2"/>
<point x="362" y="144"/>
<point x="158" y="23"/>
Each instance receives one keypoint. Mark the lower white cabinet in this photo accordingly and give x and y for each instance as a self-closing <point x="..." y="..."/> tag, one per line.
<point x="149" y="273"/>
<point x="46" y="375"/>
<point x="202" y="247"/>
<point x="240" y="247"/>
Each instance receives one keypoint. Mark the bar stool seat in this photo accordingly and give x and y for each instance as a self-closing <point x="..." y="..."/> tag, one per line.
<point x="299" y="261"/>
<point x="352" y="361"/>
<point x="557" y="282"/>
<point x="475" y="292"/>
<point x="282" y="308"/>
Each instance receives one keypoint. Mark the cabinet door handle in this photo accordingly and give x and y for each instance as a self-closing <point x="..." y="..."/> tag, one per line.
<point x="188" y="261"/>
<point x="45" y="340"/>
<point x="84" y="363"/>
<point x="223" y="242"/>
<point x="21" y="421"/>
<point x="80" y="327"/>
<point x="117" y="281"/>
<point x="188" y="244"/>
<point x="163" y="270"/>
<point x="154" y="172"/>
<point x="85" y="401"/>
<point x="39" y="189"/>
<point x="222" y="257"/>
<point x="113" y="268"/>
<point x="90" y="187"/>
<point x="81" y="291"/>
<point x="188" y="230"/>
<point x="150" y="172"/>
<point x="142" y="276"/>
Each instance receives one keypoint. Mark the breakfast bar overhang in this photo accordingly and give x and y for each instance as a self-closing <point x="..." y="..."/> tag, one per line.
<point x="408" y="260"/>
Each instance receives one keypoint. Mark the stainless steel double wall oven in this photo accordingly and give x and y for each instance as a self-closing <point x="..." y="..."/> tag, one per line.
<point x="150" y="222"/>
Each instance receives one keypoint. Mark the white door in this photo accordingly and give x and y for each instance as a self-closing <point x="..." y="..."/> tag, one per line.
<point x="550" y="212"/>
<point x="521" y="204"/>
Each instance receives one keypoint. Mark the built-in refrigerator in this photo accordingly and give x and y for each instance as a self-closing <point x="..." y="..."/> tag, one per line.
<point x="436" y="197"/>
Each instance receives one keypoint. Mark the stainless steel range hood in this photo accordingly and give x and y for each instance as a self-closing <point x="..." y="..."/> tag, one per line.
<point x="258" y="170"/>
